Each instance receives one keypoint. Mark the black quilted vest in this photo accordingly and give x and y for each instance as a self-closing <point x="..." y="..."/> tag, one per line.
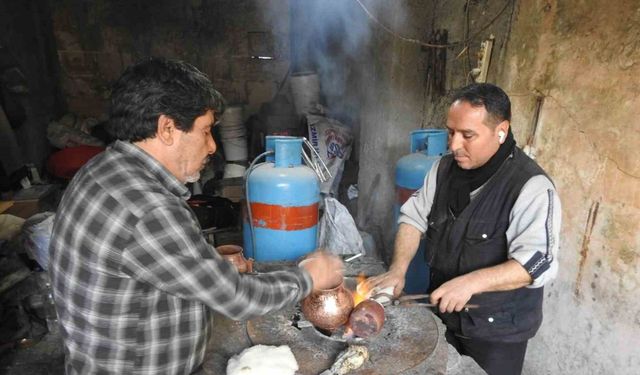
<point x="477" y="239"/>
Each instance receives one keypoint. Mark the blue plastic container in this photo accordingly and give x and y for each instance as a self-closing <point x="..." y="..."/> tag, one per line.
<point x="426" y="146"/>
<point x="283" y="196"/>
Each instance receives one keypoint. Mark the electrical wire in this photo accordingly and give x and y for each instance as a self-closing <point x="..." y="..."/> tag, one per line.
<point x="416" y="41"/>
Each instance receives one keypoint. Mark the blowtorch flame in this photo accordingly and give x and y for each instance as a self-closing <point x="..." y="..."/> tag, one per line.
<point x="361" y="293"/>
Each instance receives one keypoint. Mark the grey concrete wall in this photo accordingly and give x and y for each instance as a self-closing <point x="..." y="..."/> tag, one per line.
<point x="583" y="59"/>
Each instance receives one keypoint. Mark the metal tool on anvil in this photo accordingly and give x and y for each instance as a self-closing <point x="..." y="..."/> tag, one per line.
<point x="408" y="300"/>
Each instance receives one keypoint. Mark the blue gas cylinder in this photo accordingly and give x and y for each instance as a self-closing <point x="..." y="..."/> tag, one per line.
<point x="283" y="198"/>
<point x="427" y="146"/>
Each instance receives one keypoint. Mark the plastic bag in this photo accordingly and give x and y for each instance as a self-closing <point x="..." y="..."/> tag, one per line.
<point x="36" y="233"/>
<point x="338" y="232"/>
<point x="333" y="141"/>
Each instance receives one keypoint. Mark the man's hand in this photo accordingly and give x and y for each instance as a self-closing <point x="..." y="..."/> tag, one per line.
<point x="405" y="248"/>
<point x="454" y="294"/>
<point x="393" y="277"/>
<point x="326" y="269"/>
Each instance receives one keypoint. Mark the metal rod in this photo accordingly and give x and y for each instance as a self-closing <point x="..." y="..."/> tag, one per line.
<point x="313" y="166"/>
<point x="353" y="258"/>
<point x="317" y="156"/>
<point x="413" y="297"/>
<point x="467" y="306"/>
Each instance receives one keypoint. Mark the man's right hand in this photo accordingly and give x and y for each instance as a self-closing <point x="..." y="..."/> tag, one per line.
<point x="394" y="278"/>
<point x="326" y="269"/>
<point x="406" y="245"/>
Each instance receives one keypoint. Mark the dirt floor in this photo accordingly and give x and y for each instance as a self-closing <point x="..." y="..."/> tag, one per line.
<point x="45" y="357"/>
<point x="26" y="345"/>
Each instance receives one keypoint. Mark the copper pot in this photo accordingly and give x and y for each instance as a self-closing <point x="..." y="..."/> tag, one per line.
<point x="233" y="254"/>
<point x="328" y="309"/>
<point x="367" y="318"/>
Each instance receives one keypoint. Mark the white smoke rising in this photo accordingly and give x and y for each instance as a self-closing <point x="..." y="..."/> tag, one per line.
<point x="335" y="41"/>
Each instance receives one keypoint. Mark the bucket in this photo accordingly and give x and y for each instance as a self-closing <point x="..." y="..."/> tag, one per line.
<point x="232" y="116"/>
<point x="235" y="149"/>
<point x="232" y="170"/>
<point x="305" y="89"/>
<point x="233" y="135"/>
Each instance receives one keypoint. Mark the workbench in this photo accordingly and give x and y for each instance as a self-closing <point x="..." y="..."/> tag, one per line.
<point x="410" y="343"/>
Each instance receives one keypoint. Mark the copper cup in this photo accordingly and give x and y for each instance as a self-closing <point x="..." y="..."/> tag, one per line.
<point x="367" y="318"/>
<point x="328" y="309"/>
<point x="233" y="254"/>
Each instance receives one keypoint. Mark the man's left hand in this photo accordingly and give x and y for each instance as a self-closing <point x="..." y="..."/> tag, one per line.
<point x="454" y="294"/>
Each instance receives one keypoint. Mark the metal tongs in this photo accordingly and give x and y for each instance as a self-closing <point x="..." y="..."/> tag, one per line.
<point x="408" y="300"/>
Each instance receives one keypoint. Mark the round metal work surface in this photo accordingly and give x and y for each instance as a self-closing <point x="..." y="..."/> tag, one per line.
<point x="406" y="342"/>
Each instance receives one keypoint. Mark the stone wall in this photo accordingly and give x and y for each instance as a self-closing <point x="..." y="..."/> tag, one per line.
<point x="29" y="76"/>
<point x="98" y="39"/>
<point x="583" y="59"/>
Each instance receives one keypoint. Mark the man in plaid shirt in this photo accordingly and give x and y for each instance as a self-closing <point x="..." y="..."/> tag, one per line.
<point x="133" y="278"/>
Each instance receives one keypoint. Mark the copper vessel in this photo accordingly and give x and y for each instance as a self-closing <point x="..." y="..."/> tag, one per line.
<point x="233" y="254"/>
<point x="367" y="318"/>
<point x="328" y="309"/>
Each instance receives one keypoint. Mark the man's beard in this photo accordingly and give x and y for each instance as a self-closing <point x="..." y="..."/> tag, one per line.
<point x="196" y="176"/>
<point x="193" y="178"/>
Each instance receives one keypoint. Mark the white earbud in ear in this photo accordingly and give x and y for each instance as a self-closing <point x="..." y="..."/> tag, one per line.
<point x="501" y="136"/>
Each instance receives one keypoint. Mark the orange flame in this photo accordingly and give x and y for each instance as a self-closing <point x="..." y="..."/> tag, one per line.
<point x="361" y="292"/>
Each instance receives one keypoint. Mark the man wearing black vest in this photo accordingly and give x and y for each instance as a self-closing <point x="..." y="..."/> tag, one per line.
<point x="491" y="217"/>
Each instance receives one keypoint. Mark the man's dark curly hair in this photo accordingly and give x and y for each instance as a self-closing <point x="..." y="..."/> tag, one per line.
<point x="157" y="87"/>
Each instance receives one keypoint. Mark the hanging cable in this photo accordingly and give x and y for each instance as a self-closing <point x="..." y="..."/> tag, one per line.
<point x="448" y="45"/>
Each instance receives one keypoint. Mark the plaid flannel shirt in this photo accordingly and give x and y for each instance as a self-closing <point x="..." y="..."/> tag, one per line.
<point x="133" y="278"/>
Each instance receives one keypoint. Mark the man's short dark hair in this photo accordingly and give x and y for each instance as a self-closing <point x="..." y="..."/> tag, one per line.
<point x="494" y="100"/>
<point x="157" y="87"/>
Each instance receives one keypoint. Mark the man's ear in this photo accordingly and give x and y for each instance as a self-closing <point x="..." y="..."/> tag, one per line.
<point x="166" y="130"/>
<point x="503" y="126"/>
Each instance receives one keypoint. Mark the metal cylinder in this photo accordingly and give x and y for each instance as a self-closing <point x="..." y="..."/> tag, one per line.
<point x="283" y="196"/>
<point x="426" y="147"/>
<point x="270" y="145"/>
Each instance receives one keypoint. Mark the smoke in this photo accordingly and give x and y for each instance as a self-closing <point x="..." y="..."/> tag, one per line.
<point x="334" y="38"/>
